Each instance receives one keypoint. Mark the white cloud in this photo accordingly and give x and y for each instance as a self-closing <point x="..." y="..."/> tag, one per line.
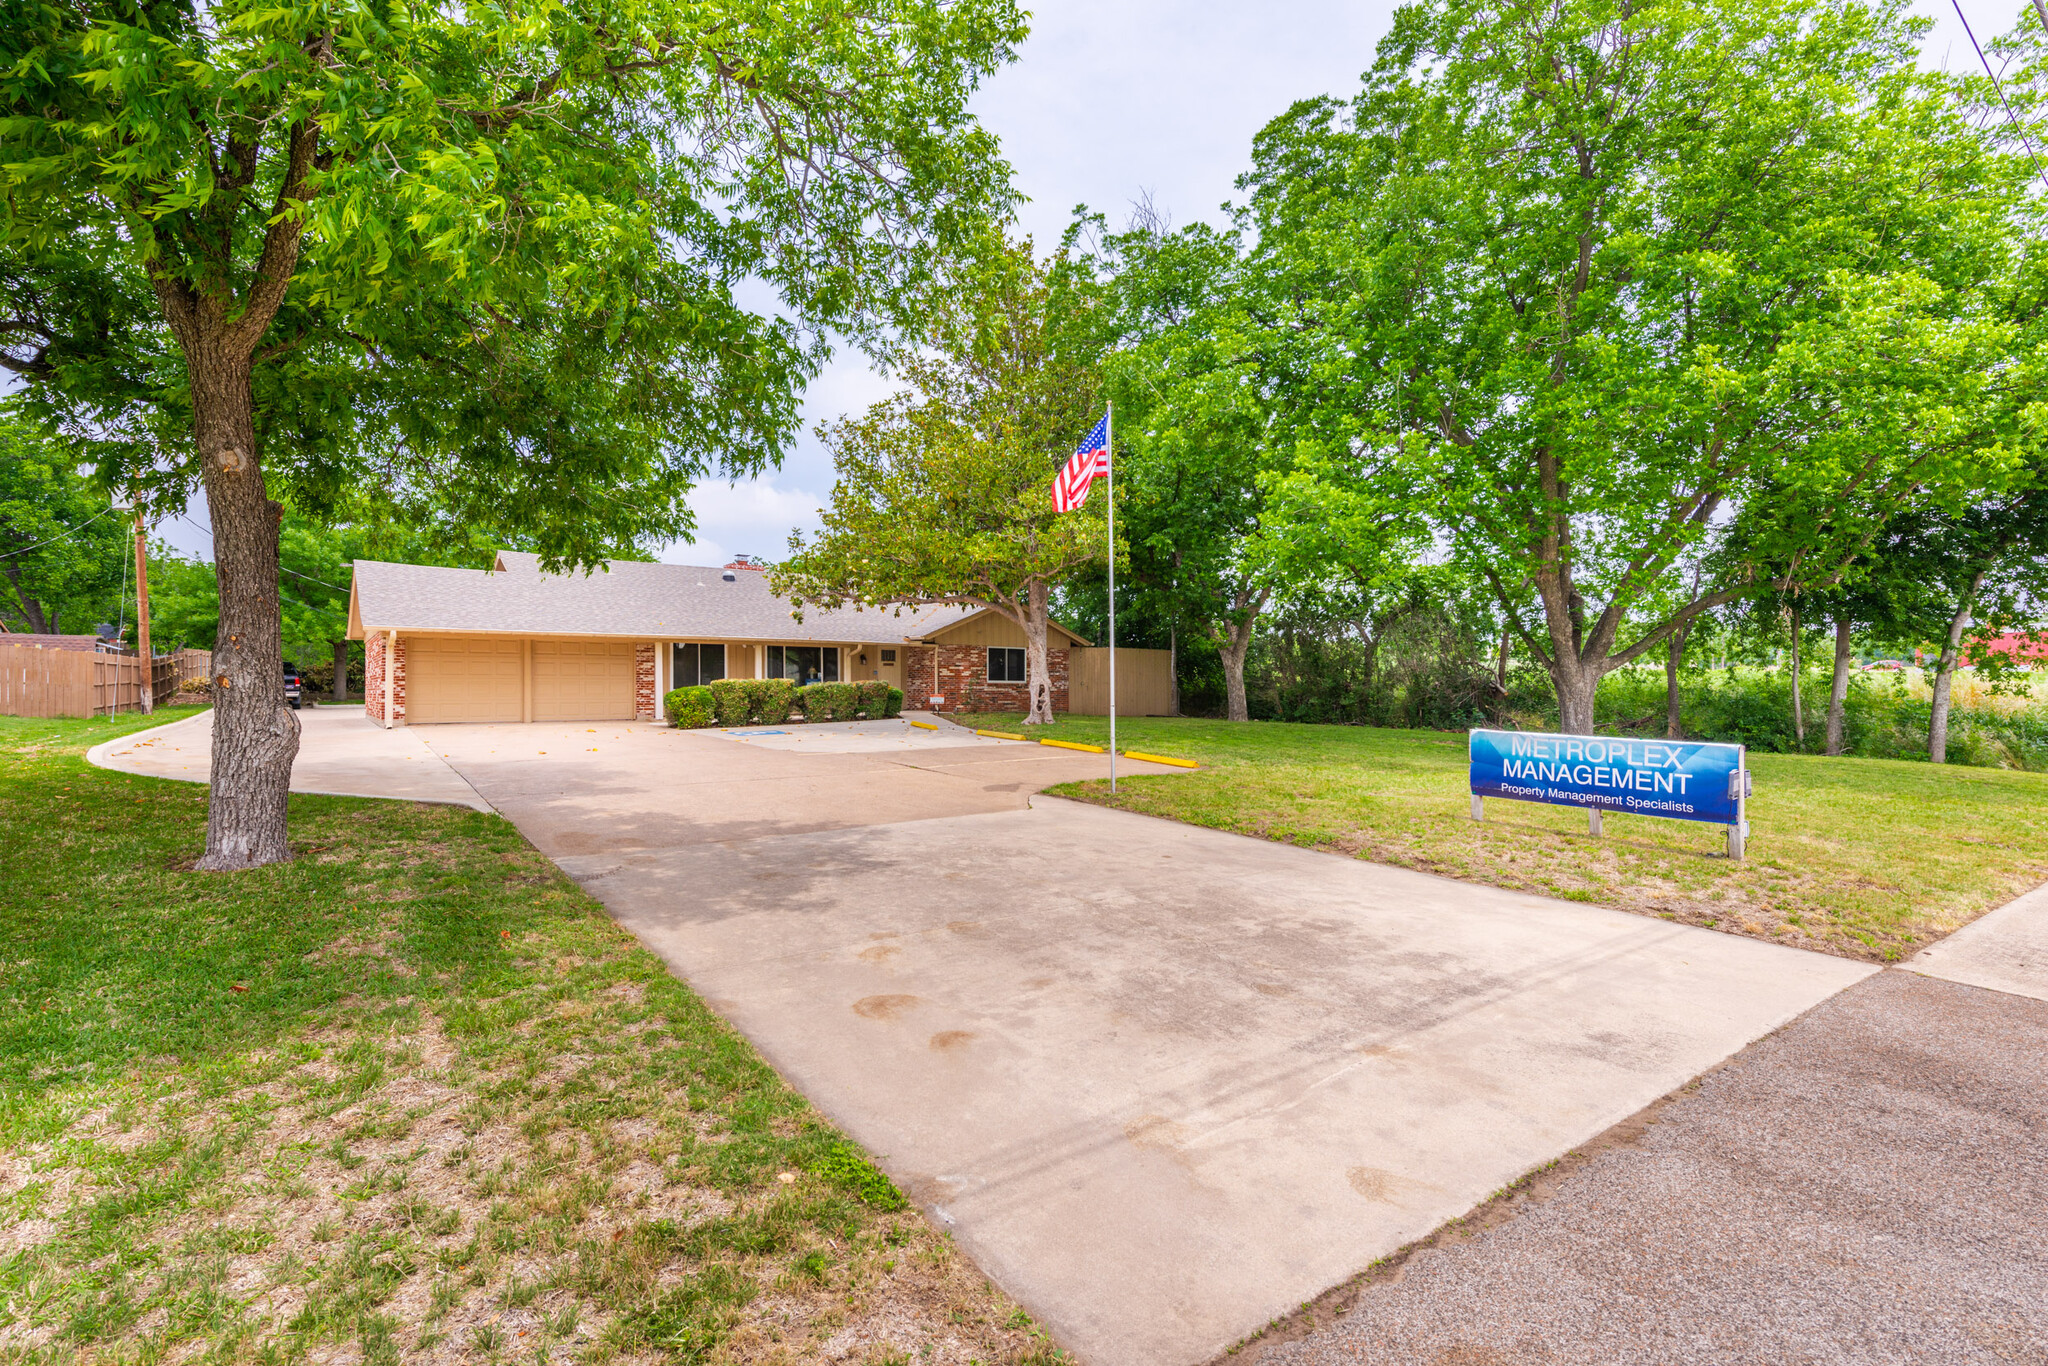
<point x="753" y="518"/>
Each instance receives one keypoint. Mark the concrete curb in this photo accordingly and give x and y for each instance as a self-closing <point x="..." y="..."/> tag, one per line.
<point x="99" y="756"/>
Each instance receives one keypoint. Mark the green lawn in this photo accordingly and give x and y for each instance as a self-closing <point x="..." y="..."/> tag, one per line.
<point x="412" y="1096"/>
<point x="1868" y="858"/>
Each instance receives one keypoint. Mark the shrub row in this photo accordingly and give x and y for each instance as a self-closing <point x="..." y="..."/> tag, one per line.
<point x="771" y="701"/>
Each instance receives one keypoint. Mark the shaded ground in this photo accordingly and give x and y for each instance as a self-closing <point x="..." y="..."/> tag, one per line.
<point x="1867" y="858"/>
<point x="1869" y="1185"/>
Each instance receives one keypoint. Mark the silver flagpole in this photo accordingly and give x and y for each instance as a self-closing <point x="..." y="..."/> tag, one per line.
<point x="1109" y="447"/>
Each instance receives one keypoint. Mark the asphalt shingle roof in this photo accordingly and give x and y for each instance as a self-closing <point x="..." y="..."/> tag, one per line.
<point x="627" y="598"/>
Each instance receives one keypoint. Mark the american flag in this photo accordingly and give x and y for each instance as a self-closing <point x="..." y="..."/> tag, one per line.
<point x="1090" y="462"/>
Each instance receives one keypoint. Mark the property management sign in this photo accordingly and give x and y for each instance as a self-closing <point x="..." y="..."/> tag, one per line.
<point x="1673" y="778"/>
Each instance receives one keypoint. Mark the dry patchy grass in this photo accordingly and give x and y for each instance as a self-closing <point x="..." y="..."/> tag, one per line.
<point x="410" y="1098"/>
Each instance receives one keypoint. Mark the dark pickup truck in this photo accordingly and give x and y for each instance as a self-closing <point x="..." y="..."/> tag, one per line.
<point x="293" y="685"/>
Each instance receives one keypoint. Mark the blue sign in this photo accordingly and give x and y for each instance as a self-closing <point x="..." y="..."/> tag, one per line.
<point x="1680" y="779"/>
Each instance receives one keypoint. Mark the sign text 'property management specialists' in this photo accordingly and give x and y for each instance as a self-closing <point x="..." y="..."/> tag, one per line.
<point x="1679" y="779"/>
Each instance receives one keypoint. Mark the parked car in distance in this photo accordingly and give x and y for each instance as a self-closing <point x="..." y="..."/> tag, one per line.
<point x="1883" y="664"/>
<point x="293" y="685"/>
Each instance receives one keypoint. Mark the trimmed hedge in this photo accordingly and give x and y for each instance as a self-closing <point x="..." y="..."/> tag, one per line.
<point x="828" y="701"/>
<point x="752" y="701"/>
<point x="871" y="698"/>
<point x="769" y="701"/>
<point x="689" y="708"/>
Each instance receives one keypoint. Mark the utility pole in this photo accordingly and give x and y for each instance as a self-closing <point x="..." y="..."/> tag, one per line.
<point x="142" y="610"/>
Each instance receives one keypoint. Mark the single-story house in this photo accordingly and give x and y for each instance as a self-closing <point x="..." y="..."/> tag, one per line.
<point x="516" y="644"/>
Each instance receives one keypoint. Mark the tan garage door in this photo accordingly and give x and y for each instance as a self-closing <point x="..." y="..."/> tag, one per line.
<point x="578" y="680"/>
<point x="461" y="678"/>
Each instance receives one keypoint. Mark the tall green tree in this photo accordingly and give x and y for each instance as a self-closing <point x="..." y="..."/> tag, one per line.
<point x="487" y="257"/>
<point x="1586" y="282"/>
<point x="943" y="492"/>
<point x="64" y="548"/>
<point x="1198" y="398"/>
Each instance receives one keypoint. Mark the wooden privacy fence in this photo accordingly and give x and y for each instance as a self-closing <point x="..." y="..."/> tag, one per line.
<point x="1144" y="682"/>
<point x="40" y="682"/>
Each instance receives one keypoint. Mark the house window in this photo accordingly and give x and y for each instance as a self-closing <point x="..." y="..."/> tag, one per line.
<point x="695" y="664"/>
<point x="888" y="656"/>
<point x="1005" y="664"/>
<point x="804" y="663"/>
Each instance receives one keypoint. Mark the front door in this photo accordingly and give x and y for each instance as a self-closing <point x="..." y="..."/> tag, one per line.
<point x="886" y="664"/>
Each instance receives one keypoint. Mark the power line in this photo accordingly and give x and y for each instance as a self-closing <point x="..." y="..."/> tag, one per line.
<point x="2025" y="141"/>
<point x="286" y="568"/>
<point x="54" y="539"/>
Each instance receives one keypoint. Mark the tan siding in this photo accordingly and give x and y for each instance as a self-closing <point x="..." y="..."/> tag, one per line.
<point x="582" y="680"/>
<point x="462" y="678"/>
<point x="1144" y="682"/>
<point x="992" y="629"/>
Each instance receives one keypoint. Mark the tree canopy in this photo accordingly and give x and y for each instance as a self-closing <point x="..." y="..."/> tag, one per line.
<point x="943" y="492"/>
<point x="1588" y="284"/>
<point x="64" y="548"/>
<point x="492" y="259"/>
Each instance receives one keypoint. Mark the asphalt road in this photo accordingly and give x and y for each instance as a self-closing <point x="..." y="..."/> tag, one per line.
<point x="1868" y="1185"/>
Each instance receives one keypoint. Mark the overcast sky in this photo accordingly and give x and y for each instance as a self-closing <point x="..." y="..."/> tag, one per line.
<point x="1110" y="99"/>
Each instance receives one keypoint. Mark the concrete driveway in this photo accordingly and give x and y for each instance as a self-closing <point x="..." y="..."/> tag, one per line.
<point x="1164" y="1083"/>
<point x="341" y="754"/>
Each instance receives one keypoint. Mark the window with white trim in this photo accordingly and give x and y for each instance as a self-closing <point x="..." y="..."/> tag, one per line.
<point x="1006" y="664"/>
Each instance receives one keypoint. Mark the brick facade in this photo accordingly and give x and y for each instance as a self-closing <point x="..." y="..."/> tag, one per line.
<point x="963" y="680"/>
<point x="646" y="706"/>
<point x="373" y="679"/>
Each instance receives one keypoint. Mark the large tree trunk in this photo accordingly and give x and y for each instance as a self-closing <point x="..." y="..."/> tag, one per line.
<point x="1576" y="683"/>
<point x="219" y="327"/>
<point x="1233" y="636"/>
<point x="1798" y="704"/>
<point x="31" y="607"/>
<point x="1945" y="672"/>
<point x="255" y="734"/>
<point x="1674" y="655"/>
<point x="1037" y="664"/>
<point x="1838" y="687"/>
<point x="1232" y="643"/>
<point x="341" y="671"/>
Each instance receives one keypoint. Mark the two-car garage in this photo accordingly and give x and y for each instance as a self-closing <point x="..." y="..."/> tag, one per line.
<point x="499" y="678"/>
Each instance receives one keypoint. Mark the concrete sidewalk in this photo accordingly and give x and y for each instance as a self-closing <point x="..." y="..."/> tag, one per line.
<point x="1164" y="1083"/>
<point x="2005" y="950"/>
<point x="341" y="753"/>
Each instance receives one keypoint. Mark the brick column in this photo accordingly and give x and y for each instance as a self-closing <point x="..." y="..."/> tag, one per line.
<point x="646" y="707"/>
<point x="373" y="678"/>
<point x="374" y="681"/>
